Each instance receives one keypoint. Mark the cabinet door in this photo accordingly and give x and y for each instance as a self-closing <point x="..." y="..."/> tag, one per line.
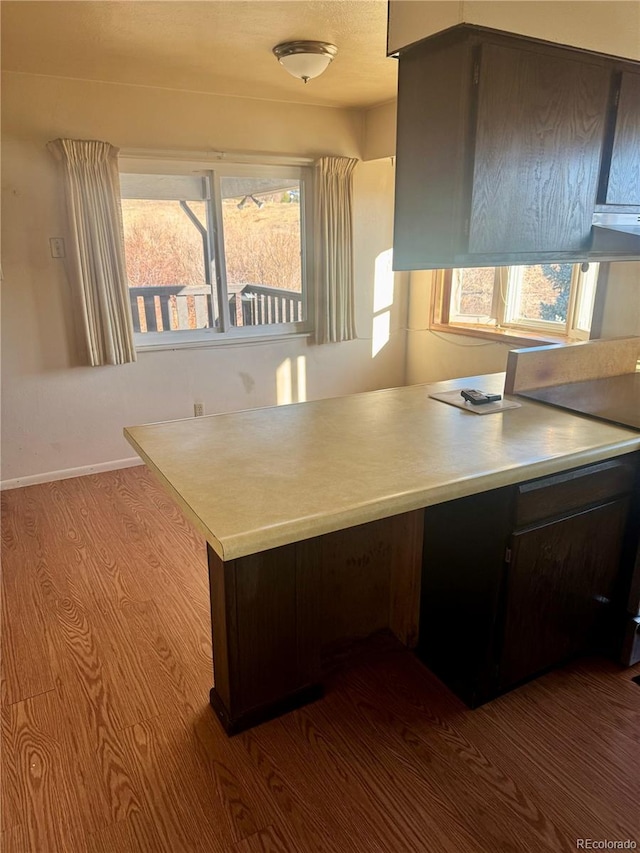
<point x="540" y="129"/>
<point x="560" y="580"/>
<point x="433" y="94"/>
<point x="624" y="174"/>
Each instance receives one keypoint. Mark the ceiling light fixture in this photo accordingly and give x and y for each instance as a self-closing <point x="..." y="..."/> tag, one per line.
<point x="305" y="59"/>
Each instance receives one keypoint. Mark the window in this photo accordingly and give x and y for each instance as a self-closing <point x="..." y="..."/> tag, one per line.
<point x="544" y="301"/>
<point x="215" y="254"/>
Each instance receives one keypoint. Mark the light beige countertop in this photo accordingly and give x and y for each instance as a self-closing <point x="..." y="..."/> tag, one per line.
<point x="262" y="478"/>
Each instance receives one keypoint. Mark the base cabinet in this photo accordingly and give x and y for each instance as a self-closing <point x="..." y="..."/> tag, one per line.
<point x="560" y="585"/>
<point x="279" y="615"/>
<point x="523" y="578"/>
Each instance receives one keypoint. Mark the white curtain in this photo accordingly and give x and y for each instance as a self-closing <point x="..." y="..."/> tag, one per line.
<point x="95" y="247"/>
<point x="334" y="294"/>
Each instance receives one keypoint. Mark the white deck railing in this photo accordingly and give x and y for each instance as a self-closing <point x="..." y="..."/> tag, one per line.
<point x="171" y="308"/>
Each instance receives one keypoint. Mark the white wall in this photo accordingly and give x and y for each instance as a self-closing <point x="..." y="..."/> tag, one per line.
<point x="380" y="131"/>
<point x="58" y="415"/>
<point x="621" y="317"/>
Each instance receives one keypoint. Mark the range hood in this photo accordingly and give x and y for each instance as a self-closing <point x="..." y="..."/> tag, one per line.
<point x="629" y="223"/>
<point x="616" y="232"/>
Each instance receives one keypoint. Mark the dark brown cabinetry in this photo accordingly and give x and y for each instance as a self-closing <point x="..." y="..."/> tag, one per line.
<point x="567" y="571"/>
<point x="621" y="180"/>
<point x="523" y="578"/>
<point x="537" y="151"/>
<point x="500" y="144"/>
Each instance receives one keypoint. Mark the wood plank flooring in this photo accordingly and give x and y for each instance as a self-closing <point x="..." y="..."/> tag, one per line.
<point x="110" y="746"/>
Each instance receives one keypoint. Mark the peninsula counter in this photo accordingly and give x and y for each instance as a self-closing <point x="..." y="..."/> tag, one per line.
<point x="313" y="515"/>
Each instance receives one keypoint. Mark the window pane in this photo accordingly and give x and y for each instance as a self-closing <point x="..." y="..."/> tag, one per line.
<point x="472" y="291"/>
<point x="541" y="292"/>
<point x="262" y="226"/>
<point x="167" y="264"/>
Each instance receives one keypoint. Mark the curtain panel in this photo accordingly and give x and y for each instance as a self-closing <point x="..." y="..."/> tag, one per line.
<point x="334" y="292"/>
<point x="96" y="247"/>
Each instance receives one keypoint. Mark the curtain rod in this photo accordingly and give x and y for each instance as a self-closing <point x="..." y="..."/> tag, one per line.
<point x="218" y="156"/>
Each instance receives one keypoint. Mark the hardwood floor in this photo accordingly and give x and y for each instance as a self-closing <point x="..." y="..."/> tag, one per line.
<point x="110" y="746"/>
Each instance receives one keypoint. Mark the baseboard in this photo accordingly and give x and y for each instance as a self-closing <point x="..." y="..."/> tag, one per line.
<point x="67" y="473"/>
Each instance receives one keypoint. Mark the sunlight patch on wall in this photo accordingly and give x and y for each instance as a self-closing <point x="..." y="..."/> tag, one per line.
<point x="380" y="332"/>
<point x="291" y="385"/>
<point x="382" y="301"/>
<point x="383" y="281"/>
<point x="302" y="378"/>
<point x="284" y="389"/>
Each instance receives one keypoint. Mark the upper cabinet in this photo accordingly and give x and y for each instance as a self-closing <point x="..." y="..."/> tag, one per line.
<point x="621" y="184"/>
<point x="538" y="141"/>
<point x="500" y="145"/>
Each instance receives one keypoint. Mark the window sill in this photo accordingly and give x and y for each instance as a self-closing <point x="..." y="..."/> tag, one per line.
<point x="162" y="341"/>
<point x="505" y="336"/>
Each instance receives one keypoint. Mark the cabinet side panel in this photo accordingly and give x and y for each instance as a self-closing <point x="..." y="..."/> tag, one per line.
<point x="431" y="149"/>
<point x="266" y="605"/>
<point x="223" y="627"/>
<point x="624" y="174"/>
<point x="462" y="577"/>
<point x="539" y="139"/>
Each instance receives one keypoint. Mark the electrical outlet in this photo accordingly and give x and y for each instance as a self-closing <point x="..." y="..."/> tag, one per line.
<point x="57" y="247"/>
<point x="198" y="410"/>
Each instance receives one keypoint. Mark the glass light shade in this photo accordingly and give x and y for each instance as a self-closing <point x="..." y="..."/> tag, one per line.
<point x="306" y="66"/>
<point x="305" y="59"/>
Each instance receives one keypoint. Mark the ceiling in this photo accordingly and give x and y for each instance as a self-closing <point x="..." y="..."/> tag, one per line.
<point x="218" y="46"/>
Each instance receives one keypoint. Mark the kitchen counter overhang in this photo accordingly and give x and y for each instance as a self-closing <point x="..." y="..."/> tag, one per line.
<point x="263" y="478"/>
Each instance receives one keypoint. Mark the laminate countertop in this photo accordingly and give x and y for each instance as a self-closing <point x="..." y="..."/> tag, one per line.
<point x="263" y="478"/>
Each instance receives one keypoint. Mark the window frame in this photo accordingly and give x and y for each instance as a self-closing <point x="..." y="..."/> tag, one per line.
<point x="300" y="170"/>
<point x="502" y="325"/>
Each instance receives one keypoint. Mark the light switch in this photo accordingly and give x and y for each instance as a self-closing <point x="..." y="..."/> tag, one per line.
<point x="57" y="247"/>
